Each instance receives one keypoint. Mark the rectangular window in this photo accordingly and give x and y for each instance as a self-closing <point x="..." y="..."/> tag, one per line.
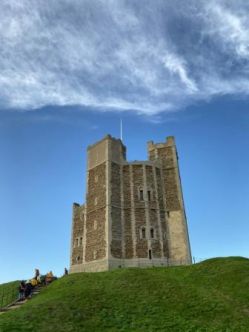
<point x="149" y="195"/>
<point x="152" y="233"/>
<point x="141" y="195"/>
<point x="143" y="233"/>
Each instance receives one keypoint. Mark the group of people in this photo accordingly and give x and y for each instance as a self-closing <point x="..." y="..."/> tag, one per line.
<point x="26" y="287"/>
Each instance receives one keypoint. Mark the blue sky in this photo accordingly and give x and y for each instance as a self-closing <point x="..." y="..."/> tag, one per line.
<point x="70" y="70"/>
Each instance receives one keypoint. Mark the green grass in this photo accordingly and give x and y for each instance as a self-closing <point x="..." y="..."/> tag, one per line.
<point x="8" y="293"/>
<point x="209" y="296"/>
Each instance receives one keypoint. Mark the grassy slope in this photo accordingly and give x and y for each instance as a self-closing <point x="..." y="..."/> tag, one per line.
<point x="8" y="293"/>
<point x="210" y="296"/>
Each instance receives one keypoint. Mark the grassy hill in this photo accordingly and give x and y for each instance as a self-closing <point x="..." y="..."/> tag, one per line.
<point x="8" y="293"/>
<point x="209" y="296"/>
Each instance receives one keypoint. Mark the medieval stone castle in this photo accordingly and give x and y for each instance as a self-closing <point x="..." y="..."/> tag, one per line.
<point x="134" y="213"/>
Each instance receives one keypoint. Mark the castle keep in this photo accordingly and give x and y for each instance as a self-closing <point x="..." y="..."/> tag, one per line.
<point x="134" y="213"/>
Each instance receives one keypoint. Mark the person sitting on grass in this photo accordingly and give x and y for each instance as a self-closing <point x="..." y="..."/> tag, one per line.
<point x="34" y="282"/>
<point x="21" y="290"/>
<point x="37" y="275"/>
<point x="28" y="289"/>
<point x="49" y="278"/>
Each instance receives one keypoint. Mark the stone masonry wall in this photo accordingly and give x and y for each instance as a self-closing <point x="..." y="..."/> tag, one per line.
<point x="128" y="240"/>
<point x="170" y="180"/>
<point x="77" y="236"/>
<point x="96" y="191"/>
<point x="177" y="248"/>
<point x="140" y="217"/>
<point x="116" y="227"/>
<point x="134" y="212"/>
<point x="96" y="246"/>
<point x="162" y="212"/>
<point x="95" y="235"/>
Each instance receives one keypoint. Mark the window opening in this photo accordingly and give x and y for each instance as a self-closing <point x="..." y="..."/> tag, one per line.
<point x="141" y="195"/>
<point x="152" y="233"/>
<point x="76" y="242"/>
<point x="81" y="241"/>
<point x="150" y="254"/>
<point x="143" y="233"/>
<point x="149" y="195"/>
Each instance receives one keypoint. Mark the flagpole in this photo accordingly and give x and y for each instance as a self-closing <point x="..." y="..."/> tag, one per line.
<point x="121" y="129"/>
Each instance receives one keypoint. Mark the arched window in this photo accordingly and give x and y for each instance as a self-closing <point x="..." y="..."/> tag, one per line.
<point x="152" y="233"/>
<point x="77" y="259"/>
<point x="81" y="239"/>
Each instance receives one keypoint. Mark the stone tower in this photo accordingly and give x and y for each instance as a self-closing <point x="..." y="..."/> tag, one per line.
<point x="134" y="213"/>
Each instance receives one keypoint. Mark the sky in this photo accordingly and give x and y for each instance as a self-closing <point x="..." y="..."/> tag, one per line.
<point x="70" y="70"/>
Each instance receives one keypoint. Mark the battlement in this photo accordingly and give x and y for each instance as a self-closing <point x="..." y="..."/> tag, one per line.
<point x="107" y="137"/>
<point x="170" y="141"/>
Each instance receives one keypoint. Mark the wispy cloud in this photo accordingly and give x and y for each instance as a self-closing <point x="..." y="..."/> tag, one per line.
<point x="122" y="55"/>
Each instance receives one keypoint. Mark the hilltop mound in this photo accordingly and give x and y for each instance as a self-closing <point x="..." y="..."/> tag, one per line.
<point x="209" y="296"/>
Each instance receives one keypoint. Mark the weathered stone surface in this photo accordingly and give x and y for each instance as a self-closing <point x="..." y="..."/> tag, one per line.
<point x="77" y="236"/>
<point x="128" y="238"/>
<point x="117" y="231"/>
<point x="96" y="197"/>
<point x="95" y="236"/>
<point x="134" y="213"/>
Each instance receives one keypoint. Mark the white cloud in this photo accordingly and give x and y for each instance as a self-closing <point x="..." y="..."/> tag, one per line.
<point x="177" y="66"/>
<point x="121" y="55"/>
<point x="231" y="26"/>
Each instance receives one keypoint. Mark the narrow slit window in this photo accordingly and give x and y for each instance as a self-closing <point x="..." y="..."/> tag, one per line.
<point x="81" y="239"/>
<point x="152" y="233"/>
<point x="150" y="254"/>
<point x="141" y="195"/>
<point x="143" y="233"/>
<point x="76" y="242"/>
<point x="149" y="195"/>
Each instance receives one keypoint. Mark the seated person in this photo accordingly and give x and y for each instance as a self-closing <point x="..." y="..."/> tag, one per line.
<point x="21" y="290"/>
<point x="28" y="289"/>
<point x="49" y="278"/>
